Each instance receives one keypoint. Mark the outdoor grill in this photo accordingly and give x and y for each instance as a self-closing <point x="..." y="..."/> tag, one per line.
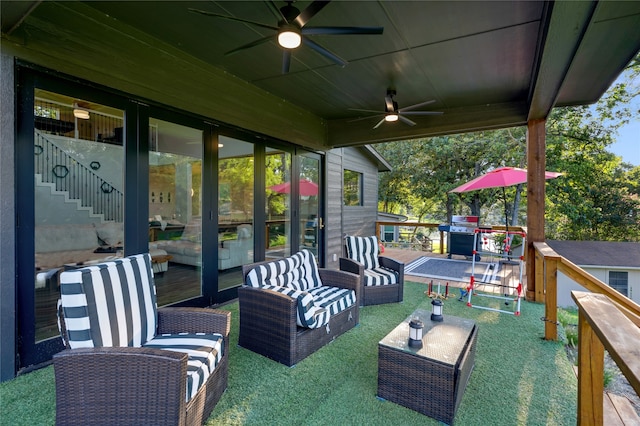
<point x="461" y="235"/>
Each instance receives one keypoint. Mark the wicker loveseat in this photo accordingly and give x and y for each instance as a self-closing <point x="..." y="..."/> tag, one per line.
<point x="289" y="308"/>
<point x="130" y="363"/>
<point x="381" y="278"/>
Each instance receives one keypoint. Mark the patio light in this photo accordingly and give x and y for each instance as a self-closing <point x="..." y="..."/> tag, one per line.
<point x="436" y="310"/>
<point x="289" y="37"/>
<point x="80" y="113"/>
<point x="392" y="116"/>
<point x="415" y="333"/>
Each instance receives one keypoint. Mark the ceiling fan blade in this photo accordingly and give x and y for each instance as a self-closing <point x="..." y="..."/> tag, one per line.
<point x="379" y="124"/>
<point x="388" y="101"/>
<point x="286" y="61"/>
<point x="232" y="18"/>
<point x="310" y="12"/>
<point x="366" y="110"/>
<point x="406" y="120"/>
<point x="324" y="52"/>
<point x="342" y="30"/>
<point x="249" y="45"/>
<point x="363" y="118"/>
<point x="416" y="105"/>
<point x="422" y="112"/>
<point x="276" y="11"/>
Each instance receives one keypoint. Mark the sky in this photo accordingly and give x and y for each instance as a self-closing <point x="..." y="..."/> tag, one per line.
<point x="627" y="143"/>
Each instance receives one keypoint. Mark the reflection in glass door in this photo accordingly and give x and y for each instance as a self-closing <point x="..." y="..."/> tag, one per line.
<point x="311" y="221"/>
<point x="175" y="216"/>
<point x="78" y="194"/>
<point x="278" y="203"/>
<point x="235" y="210"/>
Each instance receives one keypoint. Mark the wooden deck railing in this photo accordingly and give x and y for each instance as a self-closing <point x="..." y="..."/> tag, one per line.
<point x="414" y="225"/>
<point x="430" y="227"/>
<point x="607" y="320"/>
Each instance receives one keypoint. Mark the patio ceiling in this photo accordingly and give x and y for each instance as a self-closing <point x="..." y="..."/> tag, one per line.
<point x="485" y="64"/>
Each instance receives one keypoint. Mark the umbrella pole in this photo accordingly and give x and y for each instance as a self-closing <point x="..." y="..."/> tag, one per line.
<point x="507" y="240"/>
<point x="506" y="214"/>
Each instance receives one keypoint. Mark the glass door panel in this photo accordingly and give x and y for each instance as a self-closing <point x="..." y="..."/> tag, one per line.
<point x="278" y="203"/>
<point x="175" y="217"/>
<point x="235" y="210"/>
<point x="79" y="194"/>
<point x="311" y="222"/>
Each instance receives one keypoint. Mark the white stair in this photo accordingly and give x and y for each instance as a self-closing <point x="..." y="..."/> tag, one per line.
<point x="60" y="207"/>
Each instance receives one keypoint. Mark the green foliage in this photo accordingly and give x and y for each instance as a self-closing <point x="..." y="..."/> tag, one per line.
<point x="277" y="241"/>
<point x="568" y="319"/>
<point x="425" y="170"/>
<point x="609" y="375"/>
<point x="597" y="198"/>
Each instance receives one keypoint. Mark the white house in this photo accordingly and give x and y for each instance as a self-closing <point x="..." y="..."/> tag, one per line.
<point x="616" y="264"/>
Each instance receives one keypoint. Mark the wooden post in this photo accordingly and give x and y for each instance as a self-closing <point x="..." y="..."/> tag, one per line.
<point x="551" y="299"/>
<point x="535" y="200"/>
<point x="590" y="374"/>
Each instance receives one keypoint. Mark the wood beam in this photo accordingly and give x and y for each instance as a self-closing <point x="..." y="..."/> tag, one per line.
<point x="536" y="160"/>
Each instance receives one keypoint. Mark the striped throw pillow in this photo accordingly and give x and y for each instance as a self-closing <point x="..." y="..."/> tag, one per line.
<point x="298" y="272"/>
<point x="309" y="315"/>
<point x="112" y="304"/>
<point x="364" y="250"/>
<point x="311" y="276"/>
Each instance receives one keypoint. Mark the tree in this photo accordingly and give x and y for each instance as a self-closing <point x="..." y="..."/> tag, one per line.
<point x="597" y="198"/>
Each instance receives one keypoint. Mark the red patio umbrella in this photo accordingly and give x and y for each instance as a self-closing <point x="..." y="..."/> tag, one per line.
<point x="500" y="178"/>
<point x="306" y="187"/>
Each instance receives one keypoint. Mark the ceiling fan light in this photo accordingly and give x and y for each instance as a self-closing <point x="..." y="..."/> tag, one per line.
<point x="391" y="117"/>
<point x="82" y="114"/>
<point x="289" y="37"/>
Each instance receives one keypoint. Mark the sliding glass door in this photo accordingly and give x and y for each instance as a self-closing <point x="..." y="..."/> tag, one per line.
<point x="99" y="176"/>
<point x="175" y="210"/>
<point x="310" y="196"/>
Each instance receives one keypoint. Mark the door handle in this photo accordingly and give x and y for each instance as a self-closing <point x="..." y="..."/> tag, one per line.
<point x="320" y="223"/>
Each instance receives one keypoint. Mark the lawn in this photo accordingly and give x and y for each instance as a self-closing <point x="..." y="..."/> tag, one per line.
<point x="519" y="378"/>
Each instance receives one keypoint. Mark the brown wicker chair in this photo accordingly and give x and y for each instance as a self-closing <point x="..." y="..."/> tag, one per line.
<point x="376" y="294"/>
<point x="139" y="385"/>
<point x="268" y="319"/>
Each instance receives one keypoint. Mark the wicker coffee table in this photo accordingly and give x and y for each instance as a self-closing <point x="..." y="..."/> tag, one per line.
<point x="431" y="379"/>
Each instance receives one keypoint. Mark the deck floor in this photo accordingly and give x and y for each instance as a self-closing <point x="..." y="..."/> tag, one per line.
<point x="408" y="256"/>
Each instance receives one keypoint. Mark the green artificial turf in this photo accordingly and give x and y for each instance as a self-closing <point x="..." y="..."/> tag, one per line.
<point x="519" y="378"/>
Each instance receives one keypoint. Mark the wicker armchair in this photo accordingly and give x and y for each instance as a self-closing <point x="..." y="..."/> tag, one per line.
<point x="381" y="278"/>
<point x="268" y="322"/>
<point x="124" y="382"/>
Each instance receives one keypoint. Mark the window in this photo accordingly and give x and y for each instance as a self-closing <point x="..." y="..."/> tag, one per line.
<point x="352" y="193"/>
<point x="619" y="280"/>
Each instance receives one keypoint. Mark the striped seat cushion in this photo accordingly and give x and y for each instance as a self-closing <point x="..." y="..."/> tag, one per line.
<point x="309" y="314"/>
<point x="205" y="352"/>
<point x="298" y="272"/>
<point x="112" y="304"/>
<point x="364" y="250"/>
<point x="333" y="299"/>
<point x="380" y="276"/>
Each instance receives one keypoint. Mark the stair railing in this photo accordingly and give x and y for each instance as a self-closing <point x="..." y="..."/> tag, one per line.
<point x="80" y="182"/>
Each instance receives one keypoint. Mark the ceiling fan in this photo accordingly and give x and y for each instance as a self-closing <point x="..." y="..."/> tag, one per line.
<point x="292" y="30"/>
<point x="392" y="113"/>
